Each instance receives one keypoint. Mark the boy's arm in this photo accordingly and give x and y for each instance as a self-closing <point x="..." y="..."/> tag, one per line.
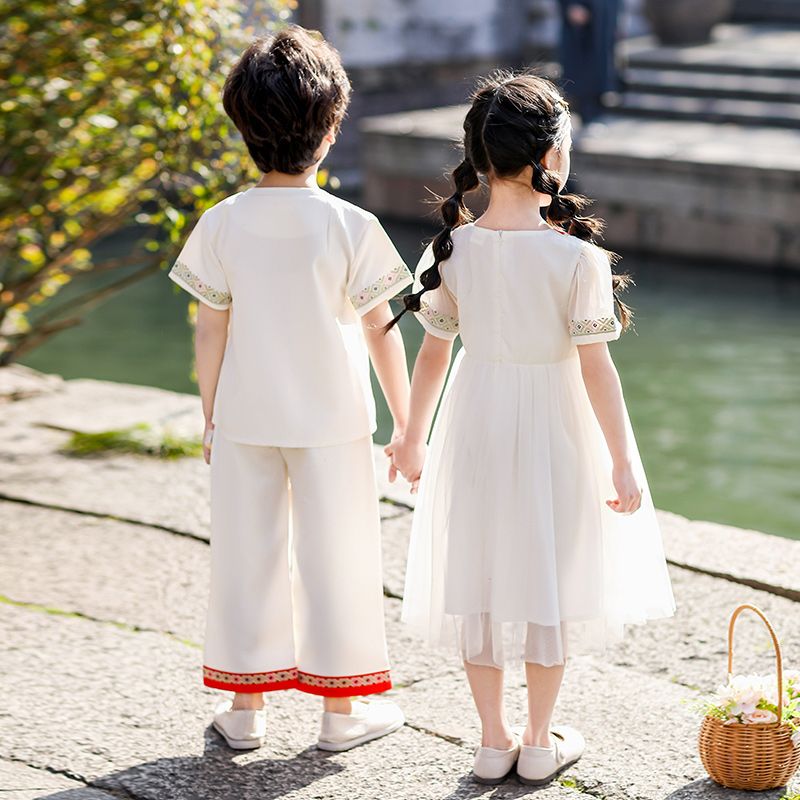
<point x="388" y="355"/>
<point x="210" y="337"/>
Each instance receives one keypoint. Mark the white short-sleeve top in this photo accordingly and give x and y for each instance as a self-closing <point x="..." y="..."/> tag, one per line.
<point x="297" y="267"/>
<point x="520" y="296"/>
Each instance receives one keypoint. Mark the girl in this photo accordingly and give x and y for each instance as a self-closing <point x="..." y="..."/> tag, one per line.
<point x="534" y="537"/>
<point x="293" y="285"/>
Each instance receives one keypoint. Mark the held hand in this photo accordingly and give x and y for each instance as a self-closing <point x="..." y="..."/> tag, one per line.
<point x="397" y="434"/>
<point x="408" y="457"/>
<point x="629" y="493"/>
<point x="578" y="14"/>
<point x="208" y="435"/>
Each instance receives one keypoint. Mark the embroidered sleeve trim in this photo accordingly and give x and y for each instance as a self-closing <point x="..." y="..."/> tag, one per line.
<point x="397" y="275"/>
<point x="442" y="322"/>
<point x="588" y="327"/>
<point x="182" y="271"/>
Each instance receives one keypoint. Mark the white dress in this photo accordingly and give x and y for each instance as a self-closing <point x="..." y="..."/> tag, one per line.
<point x="514" y="554"/>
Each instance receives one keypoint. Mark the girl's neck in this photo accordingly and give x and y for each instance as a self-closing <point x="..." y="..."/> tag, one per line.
<point x="276" y="179"/>
<point x="513" y="206"/>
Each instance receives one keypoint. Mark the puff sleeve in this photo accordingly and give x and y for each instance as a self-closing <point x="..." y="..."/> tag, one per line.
<point x="199" y="271"/>
<point x="377" y="271"/>
<point x="438" y="312"/>
<point x="591" y="305"/>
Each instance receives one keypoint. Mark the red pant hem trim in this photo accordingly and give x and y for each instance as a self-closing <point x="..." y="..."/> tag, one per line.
<point x="345" y="691"/>
<point x="250" y="688"/>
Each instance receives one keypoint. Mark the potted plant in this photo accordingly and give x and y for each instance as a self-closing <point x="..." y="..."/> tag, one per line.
<point x="677" y="22"/>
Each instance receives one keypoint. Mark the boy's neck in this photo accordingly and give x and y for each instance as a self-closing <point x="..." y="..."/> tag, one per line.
<point x="276" y="179"/>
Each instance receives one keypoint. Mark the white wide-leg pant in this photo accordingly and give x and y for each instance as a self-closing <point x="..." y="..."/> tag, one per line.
<point x="296" y="595"/>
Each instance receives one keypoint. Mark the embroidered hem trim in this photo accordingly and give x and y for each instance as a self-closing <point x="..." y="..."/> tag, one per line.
<point x="182" y="271"/>
<point x="587" y="327"/>
<point x="371" y="683"/>
<point x="292" y="678"/>
<point x="369" y="293"/>
<point x="444" y="322"/>
<point x="250" y="682"/>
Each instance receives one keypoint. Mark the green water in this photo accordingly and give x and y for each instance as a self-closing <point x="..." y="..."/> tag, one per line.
<point x="711" y="377"/>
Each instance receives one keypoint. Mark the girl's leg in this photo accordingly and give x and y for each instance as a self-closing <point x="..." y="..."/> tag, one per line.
<point x="486" y="684"/>
<point x="543" y="686"/>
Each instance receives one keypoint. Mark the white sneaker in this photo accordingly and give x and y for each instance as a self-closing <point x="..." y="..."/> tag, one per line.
<point x="241" y="728"/>
<point x="493" y="766"/>
<point x="539" y="765"/>
<point x="368" y="720"/>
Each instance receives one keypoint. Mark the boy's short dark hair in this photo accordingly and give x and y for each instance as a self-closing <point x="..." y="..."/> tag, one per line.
<point x="284" y="95"/>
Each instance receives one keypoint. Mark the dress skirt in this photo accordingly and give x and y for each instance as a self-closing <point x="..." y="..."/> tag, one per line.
<point x="514" y="555"/>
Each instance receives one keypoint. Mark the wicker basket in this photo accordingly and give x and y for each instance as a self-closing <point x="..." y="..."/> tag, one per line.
<point x="757" y="756"/>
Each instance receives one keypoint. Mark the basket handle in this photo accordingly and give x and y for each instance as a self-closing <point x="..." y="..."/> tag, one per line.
<point x="776" y="644"/>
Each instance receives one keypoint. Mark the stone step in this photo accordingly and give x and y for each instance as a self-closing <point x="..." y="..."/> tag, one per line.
<point x="772" y="10"/>
<point x="710" y="109"/>
<point x="699" y="84"/>
<point x="687" y="188"/>
<point x="747" y="50"/>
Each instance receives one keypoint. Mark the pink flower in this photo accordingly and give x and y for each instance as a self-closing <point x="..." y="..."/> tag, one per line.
<point x="761" y="715"/>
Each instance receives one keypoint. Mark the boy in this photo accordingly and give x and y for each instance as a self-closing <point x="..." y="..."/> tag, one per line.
<point x="294" y="286"/>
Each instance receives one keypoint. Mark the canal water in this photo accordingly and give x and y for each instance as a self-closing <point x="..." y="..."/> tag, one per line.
<point x="711" y="376"/>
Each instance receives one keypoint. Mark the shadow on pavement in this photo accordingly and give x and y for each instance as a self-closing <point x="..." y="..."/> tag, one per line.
<point x="706" y="789"/>
<point x="215" y="775"/>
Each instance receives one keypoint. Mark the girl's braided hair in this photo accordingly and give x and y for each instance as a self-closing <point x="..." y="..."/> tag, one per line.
<point x="513" y="122"/>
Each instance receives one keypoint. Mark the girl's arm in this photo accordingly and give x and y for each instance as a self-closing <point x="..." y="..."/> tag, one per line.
<point x="210" y="336"/>
<point x="605" y="393"/>
<point x="388" y="356"/>
<point x="430" y="370"/>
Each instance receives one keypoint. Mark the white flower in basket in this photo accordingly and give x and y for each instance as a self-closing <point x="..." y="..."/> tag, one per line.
<point x="753" y="700"/>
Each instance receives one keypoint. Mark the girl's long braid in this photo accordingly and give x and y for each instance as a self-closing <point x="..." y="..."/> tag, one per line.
<point x="454" y="213"/>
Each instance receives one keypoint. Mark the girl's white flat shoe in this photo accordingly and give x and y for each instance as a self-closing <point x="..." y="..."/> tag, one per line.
<point x="540" y="765"/>
<point x="493" y="766"/>
<point x="242" y="729"/>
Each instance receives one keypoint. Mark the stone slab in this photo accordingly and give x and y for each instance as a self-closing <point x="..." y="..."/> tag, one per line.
<point x="104" y="569"/>
<point x="18" y="781"/>
<point x="746" y="556"/>
<point x="18" y="382"/>
<point x="92" y="406"/>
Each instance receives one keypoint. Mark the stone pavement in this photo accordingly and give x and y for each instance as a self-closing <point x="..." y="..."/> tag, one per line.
<point x="103" y="585"/>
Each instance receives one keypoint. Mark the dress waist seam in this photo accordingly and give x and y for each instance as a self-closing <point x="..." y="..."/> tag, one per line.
<point x="505" y="363"/>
